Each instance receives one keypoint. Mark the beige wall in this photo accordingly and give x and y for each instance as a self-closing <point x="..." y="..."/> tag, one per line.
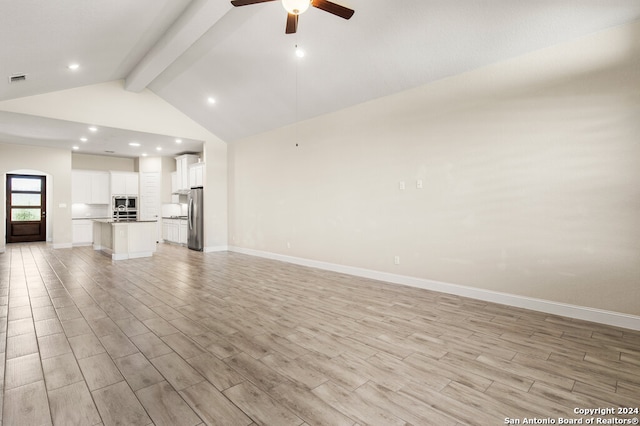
<point x="530" y="171"/>
<point x="57" y="164"/>
<point x="168" y="166"/>
<point x="103" y="163"/>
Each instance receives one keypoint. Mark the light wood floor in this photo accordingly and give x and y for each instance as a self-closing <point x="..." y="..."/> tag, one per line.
<point x="186" y="338"/>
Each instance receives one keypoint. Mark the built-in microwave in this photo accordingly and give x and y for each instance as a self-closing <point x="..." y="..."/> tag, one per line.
<point x="121" y="202"/>
<point x="124" y="207"/>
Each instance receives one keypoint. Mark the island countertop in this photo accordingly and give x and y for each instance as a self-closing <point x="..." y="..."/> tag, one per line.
<point x="115" y="221"/>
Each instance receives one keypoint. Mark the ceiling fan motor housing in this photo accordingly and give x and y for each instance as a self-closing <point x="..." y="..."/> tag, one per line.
<point x="296" y="7"/>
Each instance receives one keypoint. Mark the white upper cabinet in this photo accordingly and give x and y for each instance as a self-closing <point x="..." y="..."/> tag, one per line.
<point x="174" y="182"/>
<point x="100" y="188"/>
<point x="90" y="187"/>
<point x="124" y="183"/>
<point x="80" y="187"/>
<point x="182" y="170"/>
<point x="196" y="175"/>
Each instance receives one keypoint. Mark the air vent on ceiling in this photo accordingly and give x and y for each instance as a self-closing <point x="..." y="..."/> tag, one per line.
<point x="16" y="78"/>
<point x="110" y="152"/>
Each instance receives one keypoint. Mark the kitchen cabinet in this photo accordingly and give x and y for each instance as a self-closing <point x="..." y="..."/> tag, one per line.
<point x="124" y="183"/>
<point x="82" y="232"/>
<point x="100" y="188"/>
<point x="182" y="233"/>
<point x="171" y="230"/>
<point x="196" y="175"/>
<point x="80" y="187"/>
<point x="165" y="230"/>
<point x="174" y="230"/>
<point x="89" y="187"/>
<point x="175" y="198"/>
<point x="174" y="182"/>
<point x="182" y="170"/>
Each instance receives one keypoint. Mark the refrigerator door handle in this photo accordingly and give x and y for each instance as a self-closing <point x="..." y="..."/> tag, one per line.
<point x="190" y="213"/>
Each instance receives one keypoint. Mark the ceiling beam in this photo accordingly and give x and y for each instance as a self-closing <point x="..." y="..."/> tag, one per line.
<point x="197" y="18"/>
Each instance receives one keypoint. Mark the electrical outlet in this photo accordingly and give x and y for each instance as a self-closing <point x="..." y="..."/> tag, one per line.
<point x="396" y="260"/>
<point x="401" y="185"/>
<point x="419" y="184"/>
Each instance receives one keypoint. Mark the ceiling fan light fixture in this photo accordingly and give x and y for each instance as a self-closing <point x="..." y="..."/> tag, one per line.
<point x="296" y="7"/>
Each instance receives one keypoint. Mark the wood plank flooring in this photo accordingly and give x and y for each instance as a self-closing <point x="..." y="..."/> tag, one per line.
<point x="185" y="338"/>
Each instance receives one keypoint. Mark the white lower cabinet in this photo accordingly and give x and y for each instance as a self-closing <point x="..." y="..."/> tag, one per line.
<point x="183" y="232"/>
<point x="82" y="232"/>
<point x="165" y="230"/>
<point x="174" y="230"/>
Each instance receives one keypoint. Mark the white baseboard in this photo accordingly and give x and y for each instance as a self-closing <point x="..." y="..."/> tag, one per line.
<point x="601" y="316"/>
<point x="62" y="245"/>
<point x="215" y="249"/>
<point x="82" y="244"/>
<point x="126" y="256"/>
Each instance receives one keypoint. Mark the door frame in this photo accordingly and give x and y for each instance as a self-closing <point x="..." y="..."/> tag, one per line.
<point x="42" y="221"/>
<point x="3" y="196"/>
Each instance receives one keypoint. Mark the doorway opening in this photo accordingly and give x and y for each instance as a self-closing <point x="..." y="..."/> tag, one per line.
<point x="26" y="208"/>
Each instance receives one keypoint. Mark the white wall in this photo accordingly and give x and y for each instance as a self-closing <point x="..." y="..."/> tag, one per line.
<point x="57" y="164"/>
<point x="530" y="171"/>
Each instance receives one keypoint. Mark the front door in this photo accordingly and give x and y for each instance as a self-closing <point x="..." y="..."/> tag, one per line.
<point x="26" y="208"/>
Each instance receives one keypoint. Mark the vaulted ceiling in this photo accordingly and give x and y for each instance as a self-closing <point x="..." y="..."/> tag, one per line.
<point x="189" y="51"/>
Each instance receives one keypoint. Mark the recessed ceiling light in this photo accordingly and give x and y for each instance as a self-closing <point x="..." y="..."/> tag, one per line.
<point x="299" y="52"/>
<point x="75" y="148"/>
<point x="159" y="148"/>
<point x="144" y="154"/>
<point x="83" y="139"/>
<point x="134" y="144"/>
<point x="93" y="129"/>
<point x="73" y="67"/>
<point x="178" y="140"/>
<point x="211" y="100"/>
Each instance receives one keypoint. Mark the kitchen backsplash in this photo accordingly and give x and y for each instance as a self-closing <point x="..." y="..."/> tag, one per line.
<point x="89" y="210"/>
<point x="174" y="210"/>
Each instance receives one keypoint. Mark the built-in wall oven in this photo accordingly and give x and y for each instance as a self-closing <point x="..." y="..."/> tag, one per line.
<point x="125" y="207"/>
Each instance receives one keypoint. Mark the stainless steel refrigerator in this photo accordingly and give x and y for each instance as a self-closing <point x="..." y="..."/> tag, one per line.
<point x="195" y="220"/>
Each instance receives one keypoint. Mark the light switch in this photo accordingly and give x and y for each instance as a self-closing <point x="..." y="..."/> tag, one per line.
<point x="419" y="184"/>
<point x="402" y="185"/>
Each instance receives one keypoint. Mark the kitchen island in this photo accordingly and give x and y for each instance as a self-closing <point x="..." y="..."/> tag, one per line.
<point x="125" y="239"/>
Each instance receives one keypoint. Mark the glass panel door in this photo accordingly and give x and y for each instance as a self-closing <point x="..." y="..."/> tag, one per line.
<point x="26" y="211"/>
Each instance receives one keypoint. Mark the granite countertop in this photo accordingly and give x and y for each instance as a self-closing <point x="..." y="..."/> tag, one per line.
<point x="123" y="221"/>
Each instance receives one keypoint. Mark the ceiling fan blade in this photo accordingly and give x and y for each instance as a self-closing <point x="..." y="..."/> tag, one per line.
<point x="247" y="2"/>
<point x="336" y="9"/>
<point x="292" y="23"/>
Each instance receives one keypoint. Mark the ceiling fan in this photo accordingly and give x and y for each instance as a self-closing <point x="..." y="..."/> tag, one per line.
<point x="296" y="7"/>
